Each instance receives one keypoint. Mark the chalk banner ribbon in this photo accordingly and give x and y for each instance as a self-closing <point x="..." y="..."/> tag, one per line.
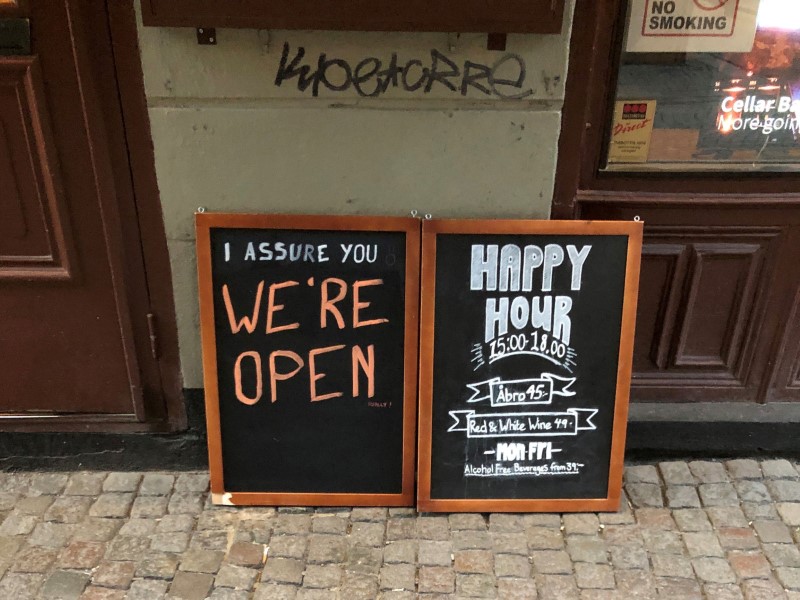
<point x="521" y="391"/>
<point x="547" y="424"/>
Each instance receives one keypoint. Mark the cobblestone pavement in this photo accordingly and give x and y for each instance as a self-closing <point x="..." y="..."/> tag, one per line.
<point x="700" y="529"/>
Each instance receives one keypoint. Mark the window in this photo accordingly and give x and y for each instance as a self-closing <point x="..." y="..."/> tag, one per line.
<point x="708" y="85"/>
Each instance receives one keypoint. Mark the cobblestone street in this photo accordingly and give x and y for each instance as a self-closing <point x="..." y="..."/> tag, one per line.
<point x="700" y="529"/>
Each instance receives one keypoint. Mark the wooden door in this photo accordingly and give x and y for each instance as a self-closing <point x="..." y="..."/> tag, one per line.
<point x="78" y="337"/>
<point x="719" y="294"/>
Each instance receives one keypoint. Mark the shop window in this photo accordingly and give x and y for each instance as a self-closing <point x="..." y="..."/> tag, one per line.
<point x="708" y="85"/>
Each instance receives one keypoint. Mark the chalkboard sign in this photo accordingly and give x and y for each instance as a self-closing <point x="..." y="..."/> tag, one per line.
<point x="526" y="344"/>
<point x="309" y="328"/>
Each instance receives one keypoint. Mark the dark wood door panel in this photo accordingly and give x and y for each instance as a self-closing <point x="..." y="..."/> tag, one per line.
<point x="704" y="329"/>
<point x="66" y="335"/>
<point x="35" y="237"/>
<point x="785" y="383"/>
<point x="700" y="313"/>
<point x="88" y="338"/>
<point x="661" y="281"/>
<point x="719" y="301"/>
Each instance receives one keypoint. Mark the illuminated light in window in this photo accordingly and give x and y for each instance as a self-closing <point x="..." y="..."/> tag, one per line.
<point x="724" y="126"/>
<point x="779" y="14"/>
<point x="769" y="88"/>
<point x="734" y="89"/>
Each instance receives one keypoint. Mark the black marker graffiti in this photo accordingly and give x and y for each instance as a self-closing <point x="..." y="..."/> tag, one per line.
<point x="371" y="78"/>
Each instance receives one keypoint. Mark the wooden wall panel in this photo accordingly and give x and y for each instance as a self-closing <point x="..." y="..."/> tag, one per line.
<point x="700" y="313"/>
<point x="710" y="316"/>
<point x="34" y="228"/>
<point x="785" y="385"/>
<point x="660" y="287"/>
<point x="794" y="382"/>
<point x="718" y="303"/>
<point x="794" y="353"/>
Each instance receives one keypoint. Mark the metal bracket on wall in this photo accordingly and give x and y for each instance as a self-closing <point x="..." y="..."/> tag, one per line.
<point x="265" y="37"/>
<point x="207" y="36"/>
<point x="452" y="41"/>
<point x="496" y="41"/>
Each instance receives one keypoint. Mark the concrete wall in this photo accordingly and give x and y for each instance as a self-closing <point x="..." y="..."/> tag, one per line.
<point x="241" y="126"/>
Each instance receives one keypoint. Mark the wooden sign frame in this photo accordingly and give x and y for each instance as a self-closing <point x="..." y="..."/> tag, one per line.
<point x="410" y="226"/>
<point x="431" y="229"/>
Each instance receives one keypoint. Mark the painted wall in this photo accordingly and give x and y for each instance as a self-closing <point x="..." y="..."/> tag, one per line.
<point x="346" y="123"/>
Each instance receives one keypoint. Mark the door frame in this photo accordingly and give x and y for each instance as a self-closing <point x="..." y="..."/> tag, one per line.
<point x="133" y="103"/>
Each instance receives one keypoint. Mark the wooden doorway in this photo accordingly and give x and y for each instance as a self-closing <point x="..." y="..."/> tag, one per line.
<point x="720" y="283"/>
<point x="88" y="332"/>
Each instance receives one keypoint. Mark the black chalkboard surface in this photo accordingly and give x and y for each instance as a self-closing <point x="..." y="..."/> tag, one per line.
<point x="309" y="331"/>
<point x="525" y="363"/>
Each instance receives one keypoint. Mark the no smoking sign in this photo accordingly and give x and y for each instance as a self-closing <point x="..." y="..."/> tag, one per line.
<point x="692" y="25"/>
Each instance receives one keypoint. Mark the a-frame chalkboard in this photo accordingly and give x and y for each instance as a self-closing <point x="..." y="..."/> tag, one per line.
<point x="526" y="345"/>
<point x="309" y="328"/>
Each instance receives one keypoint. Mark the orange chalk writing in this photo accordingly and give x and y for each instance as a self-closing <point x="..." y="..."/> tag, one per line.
<point x="272" y="308"/>
<point x="329" y="305"/>
<point x="249" y="323"/>
<point x="367" y="365"/>
<point x="314" y="376"/>
<point x="237" y="376"/>
<point x="358" y="305"/>
<point x="275" y="376"/>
